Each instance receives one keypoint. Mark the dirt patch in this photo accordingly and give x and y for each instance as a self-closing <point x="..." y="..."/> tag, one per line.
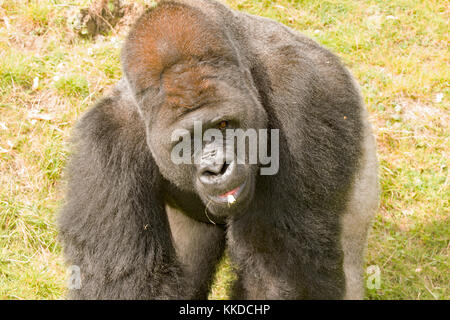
<point x="417" y="113"/>
<point x="105" y="15"/>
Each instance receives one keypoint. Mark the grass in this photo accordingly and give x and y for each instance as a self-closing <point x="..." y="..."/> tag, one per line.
<point x="397" y="50"/>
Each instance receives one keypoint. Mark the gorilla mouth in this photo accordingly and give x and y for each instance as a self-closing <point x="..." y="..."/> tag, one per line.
<point x="230" y="196"/>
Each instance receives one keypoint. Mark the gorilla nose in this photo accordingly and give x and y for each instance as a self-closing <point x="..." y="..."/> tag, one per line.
<point x="214" y="173"/>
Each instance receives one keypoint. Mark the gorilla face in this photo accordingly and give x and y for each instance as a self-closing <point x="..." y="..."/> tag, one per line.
<point x="205" y="104"/>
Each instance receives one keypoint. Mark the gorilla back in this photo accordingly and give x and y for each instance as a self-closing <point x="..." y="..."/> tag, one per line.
<point x="140" y="226"/>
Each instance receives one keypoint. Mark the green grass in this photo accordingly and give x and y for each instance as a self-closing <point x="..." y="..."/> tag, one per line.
<point x="397" y="50"/>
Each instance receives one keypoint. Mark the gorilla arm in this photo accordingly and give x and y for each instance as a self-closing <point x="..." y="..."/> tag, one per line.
<point x="296" y="217"/>
<point x="114" y="225"/>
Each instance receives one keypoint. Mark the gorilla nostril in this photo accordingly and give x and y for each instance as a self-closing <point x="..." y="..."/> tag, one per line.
<point x="224" y="168"/>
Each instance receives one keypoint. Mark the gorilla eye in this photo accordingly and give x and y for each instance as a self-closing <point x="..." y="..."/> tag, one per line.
<point x="223" y="124"/>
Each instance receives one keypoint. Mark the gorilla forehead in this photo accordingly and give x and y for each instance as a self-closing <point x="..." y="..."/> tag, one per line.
<point x="189" y="85"/>
<point x="167" y="35"/>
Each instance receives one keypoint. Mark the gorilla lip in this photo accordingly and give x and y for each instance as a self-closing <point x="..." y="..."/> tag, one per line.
<point x="232" y="194"/>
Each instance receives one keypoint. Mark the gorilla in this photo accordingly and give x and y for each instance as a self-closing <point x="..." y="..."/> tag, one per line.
<point x="140" y="226"/>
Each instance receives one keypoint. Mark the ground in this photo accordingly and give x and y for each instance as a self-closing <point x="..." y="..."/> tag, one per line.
<point x="50" y="73"/>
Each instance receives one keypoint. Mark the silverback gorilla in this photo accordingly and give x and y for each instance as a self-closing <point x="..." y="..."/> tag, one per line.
<point x="140" y="226"/>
